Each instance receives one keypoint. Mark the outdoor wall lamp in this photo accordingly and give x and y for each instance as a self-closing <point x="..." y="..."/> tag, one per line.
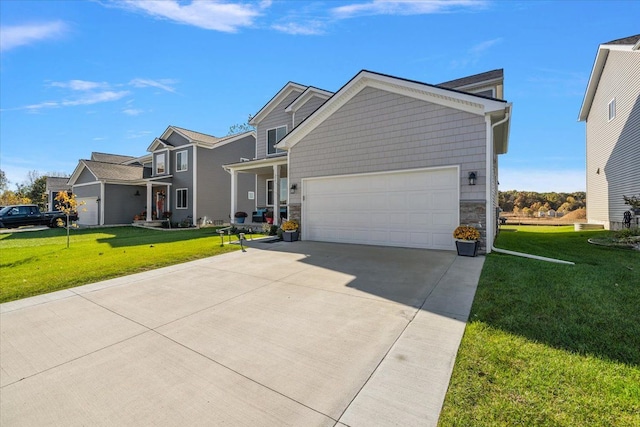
<point x="293" y="188"/>
<point x="137" y="193"/>
<point x="472" y="178"/>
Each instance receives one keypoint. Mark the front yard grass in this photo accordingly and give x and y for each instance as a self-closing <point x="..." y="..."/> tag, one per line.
<point x="37" y="262"/>
<point x="550" y="344"/>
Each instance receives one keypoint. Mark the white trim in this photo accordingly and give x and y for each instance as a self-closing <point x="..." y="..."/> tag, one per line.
<point x="86" y="184"/>
<point x="178" y="163"/>
<point x="304" y="181"/>
<point x="167" y="163"/>
<point x="194" y="211"/>
<point x="266" y="192"/>
<point x="277" y="99"/>
<point x="155" y="144"/>
<point x="309" y="93"/>
<point x="78" y="171"/>
<point x="178" y="198"/>
<point x="277" y="150"/>
<point x="101" y="210"/>
<point x="449" y="98"/>
<point x="280" y="194"/>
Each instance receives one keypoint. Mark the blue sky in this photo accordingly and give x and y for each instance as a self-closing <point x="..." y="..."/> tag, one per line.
<point x="110" y="76"/>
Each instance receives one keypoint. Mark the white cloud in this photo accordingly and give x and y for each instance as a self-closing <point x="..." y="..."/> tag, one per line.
<point x="132" y="111"/>
<point x="21" y="35"/>
<point x="163" y="84"/>
<point x="402" y="7"/>
<point x="85" y="92"/>
<point x="475" y="52"/>
<point x="81" y="85"/>
<point x="308" y="28"/>
<point x="133" y="134"/>
<point x="541" y="180"/>
<point x="88" y="99"/>
<point x="215" y="15"/>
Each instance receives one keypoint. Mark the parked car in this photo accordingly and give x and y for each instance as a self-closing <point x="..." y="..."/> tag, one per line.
<point x="20" y="215"/>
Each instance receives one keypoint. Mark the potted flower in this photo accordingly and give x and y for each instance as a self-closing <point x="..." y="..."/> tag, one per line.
<point x="269" y="217"/>
<point x="466" y="240"/>
<point x="290" y="230"/>
<point x="240" y="216"/>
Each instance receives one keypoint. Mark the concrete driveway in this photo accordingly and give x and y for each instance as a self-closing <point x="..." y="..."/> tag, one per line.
<point x="300" y="334"/>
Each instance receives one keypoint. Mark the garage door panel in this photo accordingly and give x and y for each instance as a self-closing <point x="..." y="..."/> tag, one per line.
<point x="410" y="209"/>
<point x="87" y="210"/>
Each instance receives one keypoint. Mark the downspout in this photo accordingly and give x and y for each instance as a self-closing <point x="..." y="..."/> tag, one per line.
<point x="505" y="251"/>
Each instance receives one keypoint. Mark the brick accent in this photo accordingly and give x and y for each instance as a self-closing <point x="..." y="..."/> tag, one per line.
<point x="474" y="213"/>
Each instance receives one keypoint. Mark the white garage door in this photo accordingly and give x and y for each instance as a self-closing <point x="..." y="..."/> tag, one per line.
<point x="415" y="209"/>
<point x="88" y="212"/>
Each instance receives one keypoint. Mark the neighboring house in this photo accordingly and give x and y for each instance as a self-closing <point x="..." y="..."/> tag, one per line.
<point x="385" y="160"/>
<point x="611" y="110"/>
<point x="182" y="174"/>
<point x="110" y="189"/>
<point x="53" y="187"/>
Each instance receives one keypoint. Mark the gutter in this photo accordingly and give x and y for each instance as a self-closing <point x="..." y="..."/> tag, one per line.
<point x="489" y="174"/>
<point x="505" y="251"/>
<point x="539" y="258"/>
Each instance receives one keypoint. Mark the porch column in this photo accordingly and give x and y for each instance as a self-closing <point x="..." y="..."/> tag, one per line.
<point x="276" y="195"/>
<point x="234" y="195"/>
<point x="149" y="200"/>
<point x="167" y="200"/>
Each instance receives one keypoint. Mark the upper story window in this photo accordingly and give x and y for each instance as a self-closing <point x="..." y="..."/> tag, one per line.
<point x="160" y="164"/>
<point x="273" y="137"/>
<point x="182" y="161"/>
<point x="612" y="109"/>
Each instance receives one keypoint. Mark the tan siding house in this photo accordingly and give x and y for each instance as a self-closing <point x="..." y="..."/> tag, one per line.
<point x="611" y="110"/>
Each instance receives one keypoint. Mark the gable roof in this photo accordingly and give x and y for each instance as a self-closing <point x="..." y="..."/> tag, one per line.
<point x="309" y="93"/>
<point x="456" y="99"/>
<point x="108" y="171"/>
<point x="488" y="77"/>
<point x="110" y="158"/>
<point x="193" y="137"/>
<point x="631" y="44"/>
<point x="277" y="99"/>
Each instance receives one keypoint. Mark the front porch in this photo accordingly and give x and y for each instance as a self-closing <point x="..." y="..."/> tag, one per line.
<point x="271" y="192"/>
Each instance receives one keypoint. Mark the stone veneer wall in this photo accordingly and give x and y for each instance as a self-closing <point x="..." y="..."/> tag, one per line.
<point x="474" y="213"/>
<point x="294" y="211"/>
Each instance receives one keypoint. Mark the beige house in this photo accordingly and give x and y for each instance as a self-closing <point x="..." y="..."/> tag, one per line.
<point x="611" y="111"/>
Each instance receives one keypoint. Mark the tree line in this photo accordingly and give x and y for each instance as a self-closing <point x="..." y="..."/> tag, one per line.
<point x="530" y="202"/>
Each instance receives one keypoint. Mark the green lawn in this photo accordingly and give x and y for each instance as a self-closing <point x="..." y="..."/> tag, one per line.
<point x="550" y="344"/>
<point x="38" y="262"/>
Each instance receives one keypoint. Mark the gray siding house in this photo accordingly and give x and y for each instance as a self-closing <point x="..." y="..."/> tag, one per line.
<point x="611" y="110"/>
<point x="182" y="174"/>
<point x="387" y="161"/>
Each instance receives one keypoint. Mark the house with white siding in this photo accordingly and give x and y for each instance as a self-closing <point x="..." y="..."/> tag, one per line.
<point x="611" y="111"/>
<point x="384" y="160"/>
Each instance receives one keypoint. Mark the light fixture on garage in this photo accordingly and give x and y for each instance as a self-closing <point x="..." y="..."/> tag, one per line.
<point x="472" y="178"/>
<point x="293" y="188"/>
<point x="137" y="193"/>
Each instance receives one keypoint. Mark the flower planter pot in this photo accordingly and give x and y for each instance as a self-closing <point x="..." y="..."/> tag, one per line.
<point x="240" y="220"/>
<point x="290" y="236"/>
<point x="269" y="220"/>
<point x="467" y="247"/>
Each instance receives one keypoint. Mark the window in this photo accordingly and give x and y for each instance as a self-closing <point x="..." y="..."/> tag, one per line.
<point x="612" y="109"/>
<point x="182" y="161"/>
<point x="160" y="165"/>
<point x="273" y="137"/>
<point x="182" y="198"/>
<point x="283" y="191"/>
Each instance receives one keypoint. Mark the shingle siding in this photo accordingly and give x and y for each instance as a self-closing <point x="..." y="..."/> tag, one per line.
<point x="309" y="107"/>
<point x="381" y="131"/>
<point x="278" y="117"/>
<point x="613" y="147"/>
